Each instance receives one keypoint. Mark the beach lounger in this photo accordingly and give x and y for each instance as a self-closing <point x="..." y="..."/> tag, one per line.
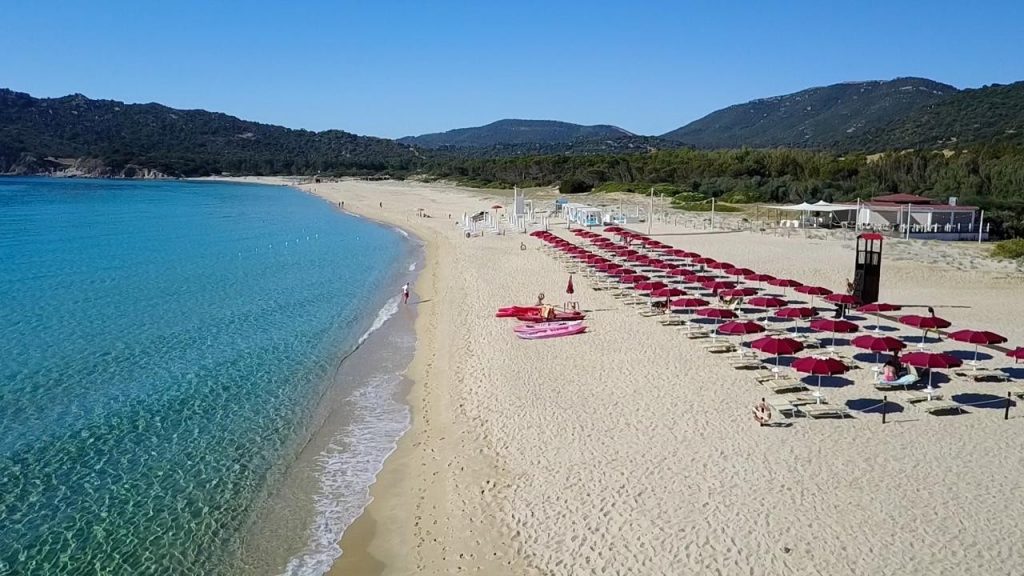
<point x="782" y="405"/>
<point x="917" y="396"/>
<point x="824" y="411"/>
<point x="784" y="384"/>
<point x="768" y="374"/>
<point x="746" y="363"/>
<point x="898" y="384"/>
<point x="983" y="375"/>
<point x="1017" y="391"/>
<point x="695" y="332"/>
<point x="719" y="347"/>
<point x="935" y="406"/>
<point x="669" y="320"/>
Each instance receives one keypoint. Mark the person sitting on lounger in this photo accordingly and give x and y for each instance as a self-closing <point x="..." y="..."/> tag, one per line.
<point x="540" y="299"/>
<point x="762" y="413"/>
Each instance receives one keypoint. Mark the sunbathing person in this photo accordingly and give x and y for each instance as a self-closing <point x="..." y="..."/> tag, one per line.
<point x="762" y="413"/>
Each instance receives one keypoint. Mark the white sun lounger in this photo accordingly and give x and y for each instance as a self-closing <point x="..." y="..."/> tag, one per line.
<point x="783" y="384"/>
<point x="824" y="411"/>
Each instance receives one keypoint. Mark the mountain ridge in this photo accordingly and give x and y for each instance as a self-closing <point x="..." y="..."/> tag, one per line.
<point x="516" y="131"/>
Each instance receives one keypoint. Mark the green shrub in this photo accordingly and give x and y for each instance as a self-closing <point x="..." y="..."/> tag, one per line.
<point x="705" y="207"/>
<point x="688" y="197"/>
<point x="742" y="197"/>
<point x="573" y="186"/>
<point x="1012" y="249"/>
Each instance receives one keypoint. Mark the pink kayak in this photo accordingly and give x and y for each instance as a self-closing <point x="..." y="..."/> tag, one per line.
<point x="553" y="332"/>
<point x="512" y="311"/>
<point x="538" y="327"/>
<point x="558" y="317"/>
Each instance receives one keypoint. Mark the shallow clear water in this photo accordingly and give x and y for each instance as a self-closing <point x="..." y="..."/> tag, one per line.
<point x="166" y="347"/>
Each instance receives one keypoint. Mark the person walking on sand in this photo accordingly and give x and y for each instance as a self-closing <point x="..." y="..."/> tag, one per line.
<point x="405" y="293"/>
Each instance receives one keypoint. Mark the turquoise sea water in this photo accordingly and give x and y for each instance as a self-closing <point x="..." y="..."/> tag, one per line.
<point x="166" y="348"/>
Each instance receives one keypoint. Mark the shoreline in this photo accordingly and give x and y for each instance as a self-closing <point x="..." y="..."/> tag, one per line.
<point x="395" y="533"/>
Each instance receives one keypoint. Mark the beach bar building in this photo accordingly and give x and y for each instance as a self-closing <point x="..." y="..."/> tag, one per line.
<point x="905" y="215"/>
<point x="920" y="217"/>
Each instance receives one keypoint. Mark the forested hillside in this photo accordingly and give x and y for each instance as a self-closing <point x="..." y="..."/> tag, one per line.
<point x="990" y="115"/>
<point x="817" y="118"/>
<point x="177" y="142"/>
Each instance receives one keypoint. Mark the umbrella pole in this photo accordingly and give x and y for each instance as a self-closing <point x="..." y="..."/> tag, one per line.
<point x="818" y="393"/>
<point x="975" y="357"/>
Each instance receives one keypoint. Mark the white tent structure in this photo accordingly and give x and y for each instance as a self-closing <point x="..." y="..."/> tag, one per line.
<point x="806" y="209"/>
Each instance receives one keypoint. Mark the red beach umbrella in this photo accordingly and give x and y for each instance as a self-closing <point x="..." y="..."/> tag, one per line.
<point x="832" y="325"/>
<point x="634" y="278"/>
<point x="613" y="229"/>
<point x="819" y="367"/>
<point x="978" y="338"/>
<point x="650" y="286"/>
<point x="720" y="265"/>
<point x="1016" y="354"/>
<point x="738" y="292"/>
<point x="703" y="261"/>
<point x="716" y="285"/>
<point x="717" y="313"/>
<point x="796" y="313"/>
<point x="930" y="360"/>
<point x="669" y="293"/>
<point x="813" y="291"/>
<point x="622" y="272"/>
<point x="760" y="278"/>
<point x="688" y="303"/>
<point x="847" y="299"/>
<point x="699" y="279"/>
<point x="681" y="272"/>
<point x="777" y="346"/>
<point x="878" y="344"/>
<point x="608" y="266"/>
<point x="569" y="289"/>
<point x="739" y="271"/>
<point x="784" y="283"/>
<point x="877" y="308"/>
<point x="925" y="323"/>
<point x="740" y="328"/>
<point x="766" y="302"/>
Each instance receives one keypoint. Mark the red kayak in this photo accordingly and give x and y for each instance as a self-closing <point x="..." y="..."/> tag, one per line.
<point x="558" y="317"/>
<point x="513" y="311"/>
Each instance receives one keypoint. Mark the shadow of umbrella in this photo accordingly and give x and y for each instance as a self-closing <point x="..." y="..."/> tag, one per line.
<point x="984" y="401"/>
<point x="873" y="406"/>
<point x="827" y="381"/>
<point x="968" y="355"/>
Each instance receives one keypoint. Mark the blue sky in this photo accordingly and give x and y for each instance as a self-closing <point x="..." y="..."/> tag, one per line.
<point x="395" y="68"/>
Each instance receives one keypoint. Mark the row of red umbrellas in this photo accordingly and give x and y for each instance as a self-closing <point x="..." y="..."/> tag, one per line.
<point x="729" y="289"/>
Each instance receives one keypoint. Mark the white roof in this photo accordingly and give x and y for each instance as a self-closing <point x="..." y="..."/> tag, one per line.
<point x="820" y="206"/>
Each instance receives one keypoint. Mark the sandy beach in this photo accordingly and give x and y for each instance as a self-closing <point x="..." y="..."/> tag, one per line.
<point x="629" y="449"/>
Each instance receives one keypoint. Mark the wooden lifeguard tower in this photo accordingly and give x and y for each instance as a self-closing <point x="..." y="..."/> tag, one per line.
<point x="867" y="271"/>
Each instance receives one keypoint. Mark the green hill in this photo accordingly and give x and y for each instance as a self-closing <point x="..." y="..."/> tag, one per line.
<point x="822" y="118"/>
<point x="120" y="139"/>
<point x="516" y="132"/>
<point x="989" y="115"/>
